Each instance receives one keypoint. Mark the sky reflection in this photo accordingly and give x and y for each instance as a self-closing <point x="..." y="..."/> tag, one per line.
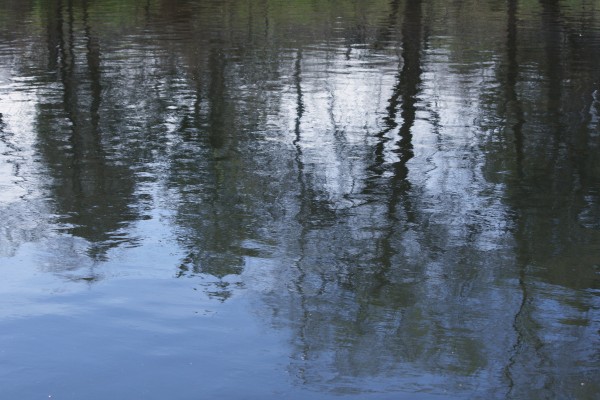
<point x="383" y="198"/>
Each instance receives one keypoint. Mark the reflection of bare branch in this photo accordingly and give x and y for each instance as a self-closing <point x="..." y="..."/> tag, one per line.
<point x="216" y="95"/>
<point x="410" y="79"/>
<point x="299" y="101"/>
<point x="511" y="99"/>
<point x="511" y="83"/>
<point x="406" y="92"/>
<point x="93" y="59"/>
<point x="302" y="214"/>
<point x="385" y="32"/>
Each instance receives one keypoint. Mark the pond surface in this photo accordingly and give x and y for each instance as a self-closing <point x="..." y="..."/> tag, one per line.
<point x="269" y="199"/>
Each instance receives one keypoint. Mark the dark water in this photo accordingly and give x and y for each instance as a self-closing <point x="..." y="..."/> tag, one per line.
<point x="269" y="199"/>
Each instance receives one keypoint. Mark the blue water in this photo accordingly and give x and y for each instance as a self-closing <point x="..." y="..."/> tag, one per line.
<point x="299" y="200"/>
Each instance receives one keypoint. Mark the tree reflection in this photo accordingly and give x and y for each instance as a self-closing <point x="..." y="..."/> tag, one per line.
<point x="214" y="169"/>
<point x="347" y="311"/>
<point x="92" y="194"/>
<point x="544" y="146"/>
<point x="206" y="172"/>
<point x="430" y="202"/>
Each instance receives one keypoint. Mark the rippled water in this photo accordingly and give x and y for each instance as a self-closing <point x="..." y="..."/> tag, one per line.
<point x="299" y="199"/>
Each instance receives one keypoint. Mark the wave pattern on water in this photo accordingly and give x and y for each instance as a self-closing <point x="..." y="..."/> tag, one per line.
<point x="322" y="199"/>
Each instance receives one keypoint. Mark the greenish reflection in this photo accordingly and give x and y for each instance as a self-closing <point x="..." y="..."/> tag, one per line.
<point x="420" y="176"/>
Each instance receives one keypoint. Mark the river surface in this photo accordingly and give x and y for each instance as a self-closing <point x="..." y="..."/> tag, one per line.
<point x="297" y="199"/>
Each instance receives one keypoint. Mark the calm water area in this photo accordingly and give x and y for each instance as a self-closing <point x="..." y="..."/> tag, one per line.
<point x="299" y="199"/>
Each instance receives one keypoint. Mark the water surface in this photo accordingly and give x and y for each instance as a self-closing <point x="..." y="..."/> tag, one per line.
<point x="254" y="199"/>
